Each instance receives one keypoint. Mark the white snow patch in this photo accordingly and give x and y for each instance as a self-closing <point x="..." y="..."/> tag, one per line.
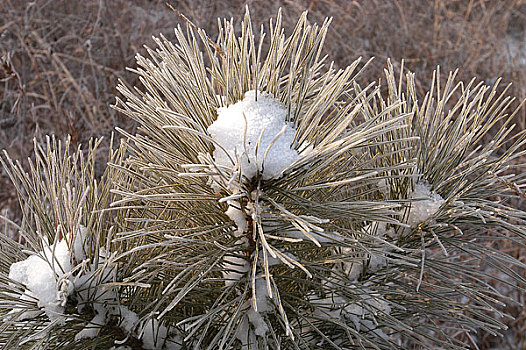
<point x="353" y="269"/>
<point x="261" y="295"/>
<point x="91" y="330"/>
<point x="23" y="313"/>
<point x="79" y="244"/>
<point x="91" y="289"/>
<point x="375" y="259"/>
<point x="255" y="318"/>
<point x="425" y="205"/>
<point x="50" y="277"/>
<point x="360" y="312"/>
<point x="245" y="335"/>
<point x="47" y="275"/>
<point x="253" y="324"/>
<point x="238" y="217"/>
<point x="376" y="262"/>
<point x="265" y="118"/>
<point x="234" y="269"/>
<point x="153" y="335"/>
<point x="41" y="273"/>
<point x="128" y="318"/>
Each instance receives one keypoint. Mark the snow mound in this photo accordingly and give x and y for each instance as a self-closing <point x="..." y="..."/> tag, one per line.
<point x="41" y="273"/>
<point x="240" y="126"/>
<point x="50" y="277"/>
<point x="426" y="204"/>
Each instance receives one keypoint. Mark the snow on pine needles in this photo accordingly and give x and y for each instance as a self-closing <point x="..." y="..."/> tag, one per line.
<point x="268" y="201"/>
<point x="254" y="134"/>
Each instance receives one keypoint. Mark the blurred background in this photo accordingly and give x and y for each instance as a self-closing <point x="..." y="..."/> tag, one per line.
<point x="60" y="61"/>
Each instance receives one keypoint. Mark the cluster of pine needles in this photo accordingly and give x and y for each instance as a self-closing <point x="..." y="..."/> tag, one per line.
<point x="332" y="251"/>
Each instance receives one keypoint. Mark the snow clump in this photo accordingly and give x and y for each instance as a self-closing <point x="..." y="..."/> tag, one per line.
<point x="425" y="204"/>
<point x="361" y="311"/>
<point x="156" y="336"/>
<point x="62" y="269"/>
<point x="253" y="323"/>
<point x="234" y="269"/>
<point x="40" y="273"/>
<point x="239" y="127"/>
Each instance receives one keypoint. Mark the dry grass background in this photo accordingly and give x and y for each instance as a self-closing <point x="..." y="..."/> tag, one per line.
<point x="60" y="61"/>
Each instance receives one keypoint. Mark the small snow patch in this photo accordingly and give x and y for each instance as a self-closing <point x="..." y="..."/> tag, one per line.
<point x="94" y="326"/>
<point x="361" y="312"/>
<point x="234" y="269"/>
<point x="41" y="273"/>
<point x="425" y="204"/>
<point x="50" y="277"/>
<point x="253" y="324"/>
<point x="239" y="129"/>
<point x="153" y="335"/>
<point x="238" y="217"/>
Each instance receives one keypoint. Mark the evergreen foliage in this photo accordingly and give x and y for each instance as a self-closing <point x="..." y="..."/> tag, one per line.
<point x="378" y="235"/>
